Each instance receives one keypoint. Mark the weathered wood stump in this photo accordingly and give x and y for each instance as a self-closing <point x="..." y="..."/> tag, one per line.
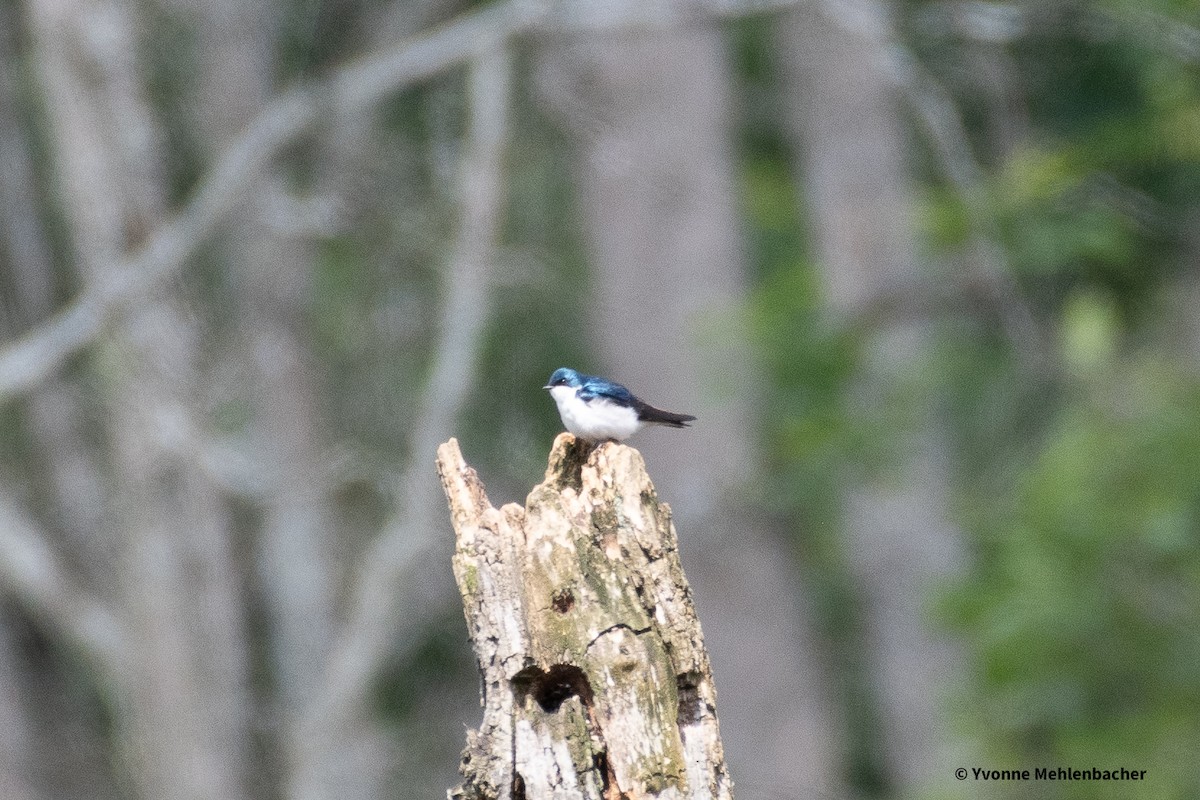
<point x="596" y="684"/>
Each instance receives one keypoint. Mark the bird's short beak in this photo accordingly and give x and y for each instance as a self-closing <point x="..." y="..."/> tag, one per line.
<point x="547" y="387"/>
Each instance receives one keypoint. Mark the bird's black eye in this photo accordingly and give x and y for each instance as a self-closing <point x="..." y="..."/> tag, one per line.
<point x="559" y="382"/>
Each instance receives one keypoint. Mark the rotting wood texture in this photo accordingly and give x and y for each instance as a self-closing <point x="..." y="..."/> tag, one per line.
<point x="596" y="684"/>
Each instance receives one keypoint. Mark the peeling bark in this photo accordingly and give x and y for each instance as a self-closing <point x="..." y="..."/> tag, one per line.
<point x="596" y="683"/>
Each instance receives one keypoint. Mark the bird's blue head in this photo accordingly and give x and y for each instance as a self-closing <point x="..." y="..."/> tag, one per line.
<point x="564" y="376"/>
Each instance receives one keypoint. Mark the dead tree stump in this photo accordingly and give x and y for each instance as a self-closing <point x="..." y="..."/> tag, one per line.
<point x="596" y="684"/>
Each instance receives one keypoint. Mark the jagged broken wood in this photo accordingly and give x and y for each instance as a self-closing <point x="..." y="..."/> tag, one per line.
<point x="596" y="684"/>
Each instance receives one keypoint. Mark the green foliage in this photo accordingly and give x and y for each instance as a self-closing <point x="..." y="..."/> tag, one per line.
<point x="1081" y="489"/>
<point x="808" y="362"/>
<point x="1078" y="484"/>
<point x="814" y="439"/>
<point x="1082" y="607"/>
<point x="1100" y="191"/>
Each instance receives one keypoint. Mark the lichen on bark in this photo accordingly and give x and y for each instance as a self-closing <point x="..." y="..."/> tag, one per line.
<point x="596" y="684"/>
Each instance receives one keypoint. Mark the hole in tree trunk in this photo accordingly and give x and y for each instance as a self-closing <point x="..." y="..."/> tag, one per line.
<point x="563" y="601"/>
<point x="550" y="688"/>
<point x="690" y="707"/>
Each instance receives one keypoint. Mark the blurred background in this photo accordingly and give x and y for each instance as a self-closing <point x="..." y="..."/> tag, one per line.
<point x="927" y="273"/>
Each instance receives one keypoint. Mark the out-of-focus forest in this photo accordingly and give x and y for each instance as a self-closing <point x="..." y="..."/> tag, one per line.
<point x="927" y="272"/>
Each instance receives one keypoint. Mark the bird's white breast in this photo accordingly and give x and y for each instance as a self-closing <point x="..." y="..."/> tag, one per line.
<point x="596" y="419"/>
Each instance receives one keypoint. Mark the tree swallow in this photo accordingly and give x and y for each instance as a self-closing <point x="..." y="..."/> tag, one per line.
<point x="597" y="409"/>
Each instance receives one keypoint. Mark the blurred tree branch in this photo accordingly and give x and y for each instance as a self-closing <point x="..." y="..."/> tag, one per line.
<point x="27" y="361"/>
<point x="54" y="407"/>
<point x="182" y="693"/>
<point x="350" y="89"/>
<point x="129" y="249"/>
<point x="987" y="257"/>
<point x="369" y="633"/>
<point x="987" y="272"/>
<point x="30" y="569"/>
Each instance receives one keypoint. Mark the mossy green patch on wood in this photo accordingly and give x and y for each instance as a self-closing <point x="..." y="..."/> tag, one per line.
<point x="470" y="580"/>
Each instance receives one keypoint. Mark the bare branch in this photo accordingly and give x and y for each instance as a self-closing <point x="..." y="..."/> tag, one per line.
<point x="1005" y="23"/>
<point x="352" y="88"/>
<point x="369" y="633"/>
<point x="364" y="82"/>
<point x="464" y="314"/>
<point x="32" y="572"/>
<point x="938" y="114"/>
<point x="40" y="353"/>
<point x="30" y="359"/>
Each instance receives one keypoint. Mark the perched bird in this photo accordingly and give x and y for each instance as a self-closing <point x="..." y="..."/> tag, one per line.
<point x="597" y="409"/>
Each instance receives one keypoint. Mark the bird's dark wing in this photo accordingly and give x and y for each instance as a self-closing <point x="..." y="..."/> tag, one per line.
<point x="594" y="388"/>
<point x="648" y="413"/>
